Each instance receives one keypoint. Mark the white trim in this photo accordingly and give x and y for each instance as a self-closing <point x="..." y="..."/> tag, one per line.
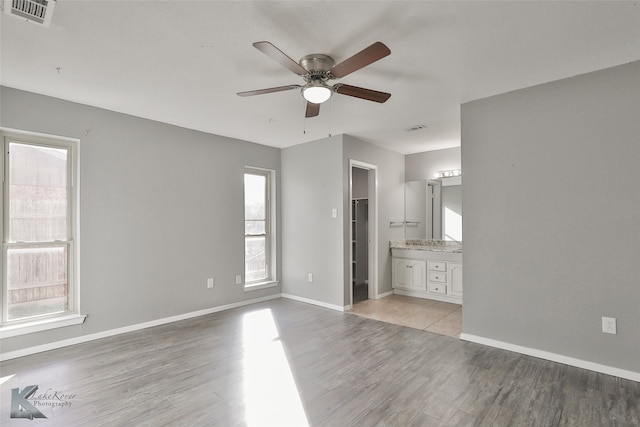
<point x="559" y="358"/>
<point x="131" y="328"/>
<point x="35" y="136"/>
<point x="9" y="331"/>
<point x="431" y="296"/>
<point x="270" y="226"/>
<point x="261" y="285"/>
<point x="72" y="316"/>
<point x="314" y="302"/>
<point x="386" y="294"/>
<point x="350" y="236"/>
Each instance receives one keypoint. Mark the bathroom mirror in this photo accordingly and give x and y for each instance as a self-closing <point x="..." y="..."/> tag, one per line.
<point x="433" y="209"/>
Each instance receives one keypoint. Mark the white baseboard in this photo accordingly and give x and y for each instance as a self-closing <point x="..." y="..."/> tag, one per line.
<point x="125" y="329"/>
<point x="566" y="360"/>
<point x="386" y="294"/>
<point x="314" y="302"/>
<point x="430" y="295"/>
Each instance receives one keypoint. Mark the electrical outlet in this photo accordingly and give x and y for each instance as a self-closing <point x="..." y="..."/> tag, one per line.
<point x="238" y="279"/>
<point x="609" y="325"/>
<point x="310" y="277"/>
<point x="210" y="282"/>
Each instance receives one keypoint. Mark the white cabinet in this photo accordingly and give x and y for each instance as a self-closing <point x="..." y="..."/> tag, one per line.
<point x="445" y="278"/>
<point x="409" y="274"/>
<point x="437" y="283"/>
<point x="428" y="274"/>
<point x="454" y="273"/>
<point x="437" y="266"/>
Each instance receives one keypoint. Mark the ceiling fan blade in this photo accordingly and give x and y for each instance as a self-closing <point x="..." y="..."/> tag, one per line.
<point x="369" y="55"/>
<point x="312" y="109"/>
<point x="362" y="93"/>
<point x="268" y="90"/>
<point x="280" y="57"/>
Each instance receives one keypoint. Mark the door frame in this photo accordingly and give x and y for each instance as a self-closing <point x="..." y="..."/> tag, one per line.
<point x="372" y="246"/>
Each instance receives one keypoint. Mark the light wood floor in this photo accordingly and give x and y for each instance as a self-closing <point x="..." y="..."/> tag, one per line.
<point x="283" y="362"/>
<point x="429" y="315"/>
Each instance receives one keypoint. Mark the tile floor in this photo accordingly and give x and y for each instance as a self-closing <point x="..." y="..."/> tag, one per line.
<point x="429" y="315"/>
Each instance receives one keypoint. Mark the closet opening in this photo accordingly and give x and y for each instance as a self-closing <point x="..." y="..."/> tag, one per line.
<point x="362" y="232"/>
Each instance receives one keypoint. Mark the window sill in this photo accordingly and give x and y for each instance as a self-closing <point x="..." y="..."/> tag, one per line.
<point x="41" y="325"/>
<point x="261" y="285"/>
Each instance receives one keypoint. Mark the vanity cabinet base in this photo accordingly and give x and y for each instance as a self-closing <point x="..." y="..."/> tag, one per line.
<point x="427" y="274"/>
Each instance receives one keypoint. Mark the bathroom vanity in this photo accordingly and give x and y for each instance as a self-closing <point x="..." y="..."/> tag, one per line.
<point x="429" y="269"/>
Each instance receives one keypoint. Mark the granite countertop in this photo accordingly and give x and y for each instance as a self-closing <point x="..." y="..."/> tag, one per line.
<point x="427" y="245"/>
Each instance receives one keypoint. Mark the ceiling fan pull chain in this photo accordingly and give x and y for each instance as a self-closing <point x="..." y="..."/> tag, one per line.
<point x="330" y="117"/>
<point x="304" y="124"/>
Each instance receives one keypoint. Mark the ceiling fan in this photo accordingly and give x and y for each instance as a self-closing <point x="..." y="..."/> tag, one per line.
<point x="317" y="69"/>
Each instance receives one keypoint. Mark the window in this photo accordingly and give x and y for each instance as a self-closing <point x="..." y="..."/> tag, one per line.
<point x="258" y="269"/>
<point x="39" y="227"/>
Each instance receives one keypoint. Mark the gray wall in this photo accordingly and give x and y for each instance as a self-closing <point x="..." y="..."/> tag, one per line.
<point x="161" y="211"/>
<point x="415" y="209"/>
<point x="423" y="166"/>
<point x="315" y="180"/>
<point x="311" y="239"/>
<point x="390" y="203"/>
<point x="552" y="216"/>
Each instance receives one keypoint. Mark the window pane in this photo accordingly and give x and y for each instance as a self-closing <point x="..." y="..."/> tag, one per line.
<point x="255" y="267"/>
<point x="255" y="187"/>
<point x="37" y="193"/>
<point x="36" y="281"/>
<point x="254" y="227"/>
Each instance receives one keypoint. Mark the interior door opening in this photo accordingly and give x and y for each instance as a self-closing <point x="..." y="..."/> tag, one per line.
<point x="362" y="232"/>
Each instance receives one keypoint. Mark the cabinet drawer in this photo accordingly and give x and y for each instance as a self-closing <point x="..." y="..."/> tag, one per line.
<point x="436" y="276"/>
<point x="437" y="288"/>
<point x="437" y="266"/>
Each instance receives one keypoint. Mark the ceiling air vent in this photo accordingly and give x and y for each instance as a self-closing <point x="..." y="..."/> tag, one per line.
<point x="38" y="11"/>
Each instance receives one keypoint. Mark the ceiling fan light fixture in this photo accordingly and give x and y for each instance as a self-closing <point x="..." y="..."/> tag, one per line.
<point x="317" y="69"/>
<point x="316" y="92"/>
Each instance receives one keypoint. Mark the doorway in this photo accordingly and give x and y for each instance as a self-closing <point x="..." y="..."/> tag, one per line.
<point x="362" y="232"/>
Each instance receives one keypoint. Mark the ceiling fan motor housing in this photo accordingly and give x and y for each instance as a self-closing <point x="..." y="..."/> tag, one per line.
<point x="318" y="66"/>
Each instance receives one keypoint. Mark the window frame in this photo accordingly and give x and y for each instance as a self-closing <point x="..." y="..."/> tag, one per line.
<point x="71" y="316"/>
<point x="270" y="244"/>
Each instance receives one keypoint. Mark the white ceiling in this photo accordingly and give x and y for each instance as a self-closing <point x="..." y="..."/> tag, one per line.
<point x="182" y="62"/>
